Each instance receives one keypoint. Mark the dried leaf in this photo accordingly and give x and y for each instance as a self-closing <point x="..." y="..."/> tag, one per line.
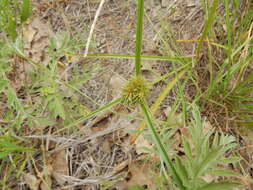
<point x="46" y="174"/>
<point x="116" y="83"/>
<point x="37" y="36"/>
<point x="106" y="146"/>
<point x="60" y="166"/>
<point x="32" y="181"/>
<point x="29" y="34"/>
<point x="140" y="175"/>
<point x="192" y="3"/>
<point x="142" y="145"/>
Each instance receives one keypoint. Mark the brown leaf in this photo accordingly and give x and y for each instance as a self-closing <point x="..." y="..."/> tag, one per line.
<point x="37" y="36"/>
<point x="45" y="176"/>
<point x="29" y="34"/>
<point x="32" y="181"/>
<point x="106" y="146"/>
<point x="60" y="166"/>
<point x="116" y="83"/>
<point x="142" y="143"/>
<point x="139" y="174"/>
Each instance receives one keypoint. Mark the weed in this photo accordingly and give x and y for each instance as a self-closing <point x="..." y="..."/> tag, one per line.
<point x="13" y="13"/>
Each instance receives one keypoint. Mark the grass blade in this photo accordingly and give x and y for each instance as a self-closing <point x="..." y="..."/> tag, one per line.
<point x="182" y="172"/>
<point x="11" y="28"/>
<point x="26" y="10"/>
<point x="125" y="56"/>
<point x="219" y="186"/>
<point x="211" y="17"/>
<point x="226" y="173"/>
<point x="160" y="146"/>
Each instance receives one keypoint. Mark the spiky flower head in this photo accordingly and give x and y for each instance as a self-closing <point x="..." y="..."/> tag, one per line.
<point x="135" y="91"/>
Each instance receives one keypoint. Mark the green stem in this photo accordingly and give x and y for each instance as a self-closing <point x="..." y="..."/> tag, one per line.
<point x="139" y="29"/>
<point x="160" y="146"/>
<point x="125" y="56"/>
<point x="208" y="25"/>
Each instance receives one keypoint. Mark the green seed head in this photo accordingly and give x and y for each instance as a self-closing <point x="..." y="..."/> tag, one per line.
<point x="135" y="91"/>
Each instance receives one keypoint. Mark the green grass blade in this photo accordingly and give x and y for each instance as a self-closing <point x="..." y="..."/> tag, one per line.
<point x="166" y="90"/>
<point x="228" y="24"/>
<point x="160" y="146"/>
<point x="181" y="169"/>
<point x="26" y="10"/>
<point x="140" y="13"/>
<point x="210" y="20"/>
<point x="163" y="77"/>
<point x="220" y="186"/>
<point x="11" y="28"/>
<point x="20" y="54"/>
<point x="125" y="56"/>
<point x="227" y="173"/>
<point x="4" y="154"/>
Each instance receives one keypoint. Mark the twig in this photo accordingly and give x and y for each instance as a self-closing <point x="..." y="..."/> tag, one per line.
<point x="117" y="126"/>
<point x="91" y="180"/>
<point x="52" y="138"/>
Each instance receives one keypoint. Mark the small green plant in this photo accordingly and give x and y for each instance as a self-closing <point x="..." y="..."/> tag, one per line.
<point x="13" y="152"/>
<point x="13" y="13"/>
<point x="9" y="146"/>
<point x="13" y="158"/>
<point x="205" y="155"/>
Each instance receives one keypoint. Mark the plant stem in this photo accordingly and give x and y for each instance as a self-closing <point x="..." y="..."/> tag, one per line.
<point x="125" y="56"/>
<point x="139" y="30"/>
<point x="208" y="25"/>
<point x="160" y="146"/>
